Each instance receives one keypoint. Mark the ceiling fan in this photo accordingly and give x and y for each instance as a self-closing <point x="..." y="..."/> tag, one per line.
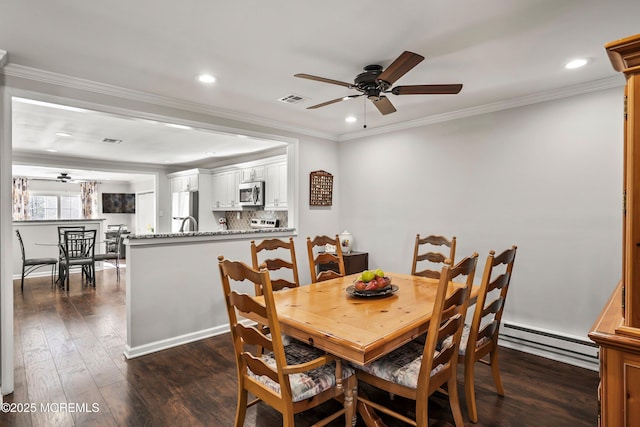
<point x="63" y="177"/>
<point x="376" y="81"/>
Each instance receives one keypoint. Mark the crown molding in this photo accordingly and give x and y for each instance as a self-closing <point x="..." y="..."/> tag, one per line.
<point x="3" y="58"/>
<point x="34" y="74"/>
<point x="550" y="95"/>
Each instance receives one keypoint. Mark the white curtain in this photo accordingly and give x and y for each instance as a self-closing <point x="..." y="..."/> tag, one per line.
<point x="20" y="194"/>
<point x="89" y="199"/>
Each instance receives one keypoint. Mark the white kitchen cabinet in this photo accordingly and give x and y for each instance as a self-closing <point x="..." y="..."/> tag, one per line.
<point x="225" y="190"/>
<point x="184" y="183"/>
<point x="255" y="173"/>
<point x="276" y="186"/>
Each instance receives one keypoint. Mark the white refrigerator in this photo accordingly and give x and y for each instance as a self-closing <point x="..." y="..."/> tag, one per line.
<point x="183" y="205"/>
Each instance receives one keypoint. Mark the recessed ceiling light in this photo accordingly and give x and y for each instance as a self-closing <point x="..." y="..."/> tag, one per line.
<point x="210" y="153"/>
<point x="206" y="78"/>
<point x="65" y="134"/>
<point x="576" y="63"/>
<point x="350" y="119"/>
<point x="51" y="150"/>
<point x="175" y="126"/>
<point x="241" y="136"/>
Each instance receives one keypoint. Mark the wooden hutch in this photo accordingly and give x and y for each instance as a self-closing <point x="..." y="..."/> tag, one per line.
<point x="617" y="330"/>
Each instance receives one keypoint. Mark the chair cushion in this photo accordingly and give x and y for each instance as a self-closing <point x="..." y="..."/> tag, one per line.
<point x="38" y="261"/>
<point x="401" y="366"/>
<point x="307" y="384"/>
<point x="111" y="255"/>
<point x="464" y="339"/>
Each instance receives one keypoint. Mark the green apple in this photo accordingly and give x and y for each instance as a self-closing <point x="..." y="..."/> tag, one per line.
<point x="367" y="276"/>
<point x="379" y="273"/>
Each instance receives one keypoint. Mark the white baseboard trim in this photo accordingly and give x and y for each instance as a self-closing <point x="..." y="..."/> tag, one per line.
<point x="574" y="350"/>
<point x="43" y="272"/>
<point x="133" y="352"/>
<point x="142" y="350"/>
<point x="38" y="273"/>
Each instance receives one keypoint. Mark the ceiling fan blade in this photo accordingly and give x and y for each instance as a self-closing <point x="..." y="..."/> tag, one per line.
<point x="427" y="89"/>
<point x="401" y="66"/>
<point x="383" y="104"/>
<point x="333" y="101"/>
<point x="324" y="80"/>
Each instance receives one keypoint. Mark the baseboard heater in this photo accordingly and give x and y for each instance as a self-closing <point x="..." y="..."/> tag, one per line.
<point x="552" y="345"/>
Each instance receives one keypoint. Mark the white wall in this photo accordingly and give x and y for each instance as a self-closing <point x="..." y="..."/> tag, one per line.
<point x="315" y="154"/>
<point x="116" y="218"/>
<point x="545" y="177"/>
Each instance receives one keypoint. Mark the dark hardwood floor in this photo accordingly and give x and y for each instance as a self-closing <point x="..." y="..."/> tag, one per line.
<point x="68" y="350"/>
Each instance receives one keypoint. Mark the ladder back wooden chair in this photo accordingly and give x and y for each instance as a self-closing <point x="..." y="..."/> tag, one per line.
<point x="318" y="256"/>
<point x="291" y="378"/>
<point x="429" y="254"/>
<point x="289" y="279"/>
<point x="31" y="264"/>
<point x="274" y="249"/>
<point x="415" y="371"/>
<point x="481" y="338"/>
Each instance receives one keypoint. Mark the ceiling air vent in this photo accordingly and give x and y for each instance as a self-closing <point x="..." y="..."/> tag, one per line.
<point x="292" y="99"/>
<point x="112" y="141"/>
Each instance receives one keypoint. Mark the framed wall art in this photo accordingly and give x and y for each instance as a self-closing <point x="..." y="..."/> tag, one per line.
<point x="320" y="188"/>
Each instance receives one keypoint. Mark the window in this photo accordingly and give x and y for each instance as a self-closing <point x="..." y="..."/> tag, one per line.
<point x="70" y="207"/>
<point x="54" y="206"/>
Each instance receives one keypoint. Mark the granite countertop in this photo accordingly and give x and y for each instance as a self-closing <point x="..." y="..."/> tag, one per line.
<point x="210" y="233"/>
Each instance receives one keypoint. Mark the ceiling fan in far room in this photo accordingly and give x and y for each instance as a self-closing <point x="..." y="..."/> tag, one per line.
<point x="63" y="177"/>
<point x="375" y="81"/>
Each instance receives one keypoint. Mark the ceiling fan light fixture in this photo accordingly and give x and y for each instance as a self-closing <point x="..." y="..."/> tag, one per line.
<point x="375" y="81"/>
<point x="576" y="63"/>
<point x="63" y="177"/>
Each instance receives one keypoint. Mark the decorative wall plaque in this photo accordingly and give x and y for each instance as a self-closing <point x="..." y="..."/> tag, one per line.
<point x="320" y="188"/>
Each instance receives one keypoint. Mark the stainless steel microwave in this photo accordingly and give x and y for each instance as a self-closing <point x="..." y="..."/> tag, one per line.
<point x="251" y="194"/>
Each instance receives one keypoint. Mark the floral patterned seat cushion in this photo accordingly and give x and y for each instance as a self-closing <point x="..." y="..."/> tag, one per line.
<point x="465" y="338"/>
<point x="307" y="384"/>
<point x="401" y="366"/>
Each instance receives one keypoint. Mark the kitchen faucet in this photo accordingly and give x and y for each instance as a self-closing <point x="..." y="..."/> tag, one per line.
<point x="195" y="223"/>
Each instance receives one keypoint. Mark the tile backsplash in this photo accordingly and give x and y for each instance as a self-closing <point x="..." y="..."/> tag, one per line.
<point x="243" y="223"/>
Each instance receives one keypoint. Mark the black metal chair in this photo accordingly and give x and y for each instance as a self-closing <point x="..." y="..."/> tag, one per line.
<point x="61" y="231"/>
<point x="112" y="254"/>
<point x="30" y="264"/>
<point x="79" y="251"/>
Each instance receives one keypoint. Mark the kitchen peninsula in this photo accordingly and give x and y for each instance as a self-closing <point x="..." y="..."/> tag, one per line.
<point x="174" y="295"/>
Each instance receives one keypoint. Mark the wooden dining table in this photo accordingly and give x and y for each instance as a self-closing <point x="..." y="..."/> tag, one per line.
<point x="359" y="329"/>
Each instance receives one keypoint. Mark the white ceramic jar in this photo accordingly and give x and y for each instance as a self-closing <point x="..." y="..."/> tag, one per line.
<point x="346" y="241"/>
